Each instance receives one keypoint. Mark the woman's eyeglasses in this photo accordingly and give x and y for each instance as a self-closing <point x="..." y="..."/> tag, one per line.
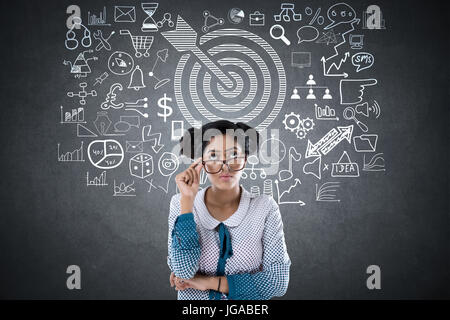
<point x="215" y="166"/>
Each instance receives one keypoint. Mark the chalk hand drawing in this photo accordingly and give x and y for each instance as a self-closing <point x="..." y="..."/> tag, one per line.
<point x="140" y="43"/>
<point x="365" y="142"/>
<point x="287" y="13"/>
<point x="103" y="43"/>
<point x="124" y="190"/>
<point x="326" y="192"/>
<point x="71" y="156"/>
<point x="166" y="110"/>
<point x="345" y="168"/>
<point x="288" y="193"/>
<point x="99" y="181"/>
<point x="210" y="21"/>
<point x="253" y="161"/>
<point x="278" y="28"/>
<point x="141" y="165"/>
<point x="257" y="19"/>
<point x="366" y="110"/>
<point x="313" y="167"/>
<point x="105" y="154"/>
<point x="376" y="163"/>
<point x="124" y="14"/>
<point x="214" y="59"/>
<point x="111" y="98"/>
<point x="352" y="90"/>
<point x="80" y="67"/>
<point x="329" y="141"/>
<point x="149" y="24"/>
<point x="350" y="114"/>
<point x="167" y="165"/>
<point x="299" y="126"/>
<point x="82" y="94"/>
<point x="71" y="41"/>
<point x="284" y="174"/>
<point x="147" y="136"/>
<point x="134" y="146"/>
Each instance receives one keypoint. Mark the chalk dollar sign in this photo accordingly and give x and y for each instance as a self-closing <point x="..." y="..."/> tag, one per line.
<point x="162" y="103"/>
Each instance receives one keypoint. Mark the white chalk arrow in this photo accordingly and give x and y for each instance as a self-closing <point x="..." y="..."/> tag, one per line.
<point x="329" y="141"/>
<point x="327" y="72"/>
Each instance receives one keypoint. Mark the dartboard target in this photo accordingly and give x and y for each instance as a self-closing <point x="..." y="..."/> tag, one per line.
<point x="258" y="80"/>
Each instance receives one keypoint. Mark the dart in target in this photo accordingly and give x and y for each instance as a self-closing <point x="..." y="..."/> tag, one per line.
<point x="228" y="74"/>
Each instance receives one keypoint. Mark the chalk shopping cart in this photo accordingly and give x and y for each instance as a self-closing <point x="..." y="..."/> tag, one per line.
<point x="140" y="43"/>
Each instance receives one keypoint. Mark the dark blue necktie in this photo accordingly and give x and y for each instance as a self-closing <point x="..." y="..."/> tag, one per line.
<point x="226" y="251"/>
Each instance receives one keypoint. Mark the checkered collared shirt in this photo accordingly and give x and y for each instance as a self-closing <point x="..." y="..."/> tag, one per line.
<point x="258" y="267"/>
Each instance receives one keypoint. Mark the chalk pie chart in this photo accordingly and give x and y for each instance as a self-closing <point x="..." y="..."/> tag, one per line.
<point x="236" y="15"/>
<point x="105" y="154"/>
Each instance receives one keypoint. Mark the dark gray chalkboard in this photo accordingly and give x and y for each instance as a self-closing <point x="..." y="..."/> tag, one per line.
<point x="396" y="219"/>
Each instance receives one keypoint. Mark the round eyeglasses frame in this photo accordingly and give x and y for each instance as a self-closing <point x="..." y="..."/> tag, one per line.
<point x="224" y="162"/>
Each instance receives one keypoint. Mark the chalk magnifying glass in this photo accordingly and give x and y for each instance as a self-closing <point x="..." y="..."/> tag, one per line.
<point x="281" y="36"/>
<point x="349" y="114"/>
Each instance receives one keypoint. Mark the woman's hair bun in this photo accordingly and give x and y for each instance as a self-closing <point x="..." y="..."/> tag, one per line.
<point x="192" y="144"/>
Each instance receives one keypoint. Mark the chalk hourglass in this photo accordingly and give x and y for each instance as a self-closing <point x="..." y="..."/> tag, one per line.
<point x="149" y="24"/>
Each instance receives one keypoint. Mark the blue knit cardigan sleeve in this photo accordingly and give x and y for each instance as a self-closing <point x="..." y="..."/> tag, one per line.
<point x="273" y="280"/>
<point x="183" y="242"/>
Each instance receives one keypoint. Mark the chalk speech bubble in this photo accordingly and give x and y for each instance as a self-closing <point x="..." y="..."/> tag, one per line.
<point x="362" y="60"/>
<point x="307" y="34"/>
<point x="340" y="13"/>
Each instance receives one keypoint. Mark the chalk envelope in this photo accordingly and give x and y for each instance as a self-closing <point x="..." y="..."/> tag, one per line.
<point x="307" y="34"/>
<point x="134" y="146"/>
<point x="124" y="14"/>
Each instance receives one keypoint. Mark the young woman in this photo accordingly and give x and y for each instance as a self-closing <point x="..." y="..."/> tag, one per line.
<point x="224" y="242"/>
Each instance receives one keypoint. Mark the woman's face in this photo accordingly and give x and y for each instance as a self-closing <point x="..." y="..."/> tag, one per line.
<point x="224" y="148"/>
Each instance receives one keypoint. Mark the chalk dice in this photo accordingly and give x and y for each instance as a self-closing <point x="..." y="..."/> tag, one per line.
<point x="141" y="165"/>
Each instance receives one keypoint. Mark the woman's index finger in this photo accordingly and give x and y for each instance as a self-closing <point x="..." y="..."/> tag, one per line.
<point x="196" y="162"/>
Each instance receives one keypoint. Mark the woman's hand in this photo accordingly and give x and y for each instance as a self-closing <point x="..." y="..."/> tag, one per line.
<point x="177" y="282"/>
<point x="188" y="182"/>
<point x="201" y="282"/>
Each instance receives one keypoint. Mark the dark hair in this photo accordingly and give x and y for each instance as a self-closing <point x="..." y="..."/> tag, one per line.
<point x="193" y="138"/>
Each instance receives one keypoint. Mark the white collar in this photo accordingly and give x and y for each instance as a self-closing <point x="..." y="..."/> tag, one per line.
<point x="209" y="222"/>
